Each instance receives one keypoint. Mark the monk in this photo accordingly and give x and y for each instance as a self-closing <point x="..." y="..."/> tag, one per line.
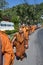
<point x="33" y="27"/>
<point x="26" y="36"/>
<point x="18" y="42"/>
<point x="7" y="49"/>
<point x="26" y="31"/>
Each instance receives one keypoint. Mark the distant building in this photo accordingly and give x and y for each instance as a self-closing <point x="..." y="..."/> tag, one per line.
<point x="5" y="25"/>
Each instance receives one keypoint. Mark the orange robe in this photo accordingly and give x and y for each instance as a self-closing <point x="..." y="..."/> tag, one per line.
<point x="19" y="44"/>
<point x="33" y="28"/>
<point x="26" y="36"/>
<point x="7" y="49"/>
<point x="26" y="31"/>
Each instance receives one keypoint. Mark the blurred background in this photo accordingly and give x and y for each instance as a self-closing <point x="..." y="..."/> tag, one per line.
<point x="15" y="12"/>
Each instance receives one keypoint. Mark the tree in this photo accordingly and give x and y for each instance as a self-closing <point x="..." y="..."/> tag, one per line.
<point x="0" y="15"/>
<point x="3" y="3"/>
<point x="26" y="13"/>
<point x="15" y="20"/>
<point x="22" y="12"/>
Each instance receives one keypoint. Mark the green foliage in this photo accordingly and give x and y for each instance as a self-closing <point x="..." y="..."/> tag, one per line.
<point x="10" y="32"/>
<point x="24" y="13"/>
<point x="0" y="15"/>
<point x="15" y="19"/>
<point x="0" y="19"/>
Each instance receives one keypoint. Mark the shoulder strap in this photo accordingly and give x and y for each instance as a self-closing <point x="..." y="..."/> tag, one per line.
<point x="1" y="57"/>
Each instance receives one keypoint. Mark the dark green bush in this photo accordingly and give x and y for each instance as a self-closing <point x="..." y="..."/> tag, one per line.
<point x="11" y="32"/>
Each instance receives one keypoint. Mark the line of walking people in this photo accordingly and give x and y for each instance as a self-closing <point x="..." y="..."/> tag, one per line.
<point x="19" y="41"/>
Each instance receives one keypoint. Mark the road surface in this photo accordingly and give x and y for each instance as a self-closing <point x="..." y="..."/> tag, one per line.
<point x="35" y="51"/>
